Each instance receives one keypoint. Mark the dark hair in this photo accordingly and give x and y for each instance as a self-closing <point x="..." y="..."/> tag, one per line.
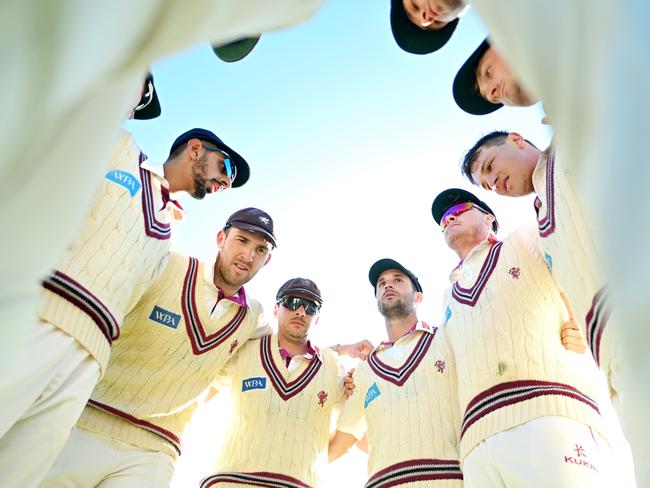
<point x="181" y="148"/>
<point x="494" y="138"/>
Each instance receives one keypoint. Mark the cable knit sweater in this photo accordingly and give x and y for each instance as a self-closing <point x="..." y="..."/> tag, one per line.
<point x="503" y="318"/>
<point x="171" y="350"/>
<point x="405" y="397"/>
<point x="281" y="419"/>
<point x="114" y="256"/>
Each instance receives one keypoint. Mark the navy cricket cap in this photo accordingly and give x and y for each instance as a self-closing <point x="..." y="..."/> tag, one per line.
<point x="411" y="38"/>
<point x="254" y="220"/>
<point x="243" y="171"/>
<point x="236" y="50"/>
<point x="465" y="86"/>
<point x="451" y="197"/>
<point x="385" y="264"/>
<point x="302" y="286"/>
<point x="149" y="101"/>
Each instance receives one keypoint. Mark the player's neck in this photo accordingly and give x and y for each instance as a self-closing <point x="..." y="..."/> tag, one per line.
<point x="294" y="346"/>
<point x="176" y="174"/>
<point x="396" y="327"/>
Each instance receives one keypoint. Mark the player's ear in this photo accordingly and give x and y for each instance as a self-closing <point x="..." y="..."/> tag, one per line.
<point x="221" y="238"/>
<point x="268" y="258"/>
<point x="418" y="297"/>
<point x="275" y="310"/>
<point x="517" y="139"/>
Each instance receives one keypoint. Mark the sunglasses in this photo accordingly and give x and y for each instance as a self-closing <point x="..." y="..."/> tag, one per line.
<point x="294" y="303"/>
<point x="228" y="166"/>
<point x="456" y="210"/>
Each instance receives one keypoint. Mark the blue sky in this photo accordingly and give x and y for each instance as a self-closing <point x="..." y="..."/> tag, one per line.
<point x="349" y="139"/>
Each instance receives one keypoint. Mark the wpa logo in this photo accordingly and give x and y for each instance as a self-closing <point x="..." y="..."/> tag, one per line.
<point x="127" y="180"/>
<point x="372" y="393"/>
<point x="165" y="317"/>
<point x="254" y="383"/>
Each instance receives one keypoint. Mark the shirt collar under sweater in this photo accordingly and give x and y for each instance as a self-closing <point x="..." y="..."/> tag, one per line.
<point x="419" y="326"/>
<point x="477" y="254"/>
<point x="309" y="355"/>
<point x="214" y="294"/>
<point x="177" y="211"/>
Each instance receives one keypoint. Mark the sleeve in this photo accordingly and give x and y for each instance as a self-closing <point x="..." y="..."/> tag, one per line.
<point x="352" y="419"/>
<point x="261" y="326"/>
<point x="262" y="329"/>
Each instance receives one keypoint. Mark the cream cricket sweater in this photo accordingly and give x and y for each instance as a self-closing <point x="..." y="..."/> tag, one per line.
<point x="568" y="244"/>
<point x="281" y="418"/>
<point x="503" y="318"/>
<point x="405" y="397"/>
<point x="114" y="256"/>
<point x="170" y="352"/>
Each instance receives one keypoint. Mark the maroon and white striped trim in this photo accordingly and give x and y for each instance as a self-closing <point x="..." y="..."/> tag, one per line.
<point x="286" y="389"/>
<point x="415" y="470"/>
<point x="398" y="376"/>
<point x="596" y="320"/>
<point x="148" y="426"/>
<point x="513" y="392"/>
<point x="262" y="478"/>
<point x="202" y="342"/>
<point x="546" y="224"/>
<point x="72" y="291"/>
<point x="152" y="227"/>
<point x="469" y="296"/>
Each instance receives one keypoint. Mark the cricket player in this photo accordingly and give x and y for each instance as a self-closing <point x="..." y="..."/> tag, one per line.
<point x="485" y="83"/>
<point x="424" y="26"/>
<point x="107" y="268"/>
<point x="529" y="414"/>
<point x="405" y="394"/>
<point x="510" y="165"/>
<point x="284" y="390"/>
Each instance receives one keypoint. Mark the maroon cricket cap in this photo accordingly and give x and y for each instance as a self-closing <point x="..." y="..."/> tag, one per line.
<point x="254" y="220"/>
<point x="301" y="286"/>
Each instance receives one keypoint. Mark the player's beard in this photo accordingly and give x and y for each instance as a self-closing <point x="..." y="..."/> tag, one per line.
<point x="396" y="309"/>
<point x="229" y="279"/>
<point x="200" y="182"/>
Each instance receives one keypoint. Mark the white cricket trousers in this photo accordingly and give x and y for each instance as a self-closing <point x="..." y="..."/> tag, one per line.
<point x="90" y="459"/>
<point x="548" y="452"/>
<point x="42" y="393"/>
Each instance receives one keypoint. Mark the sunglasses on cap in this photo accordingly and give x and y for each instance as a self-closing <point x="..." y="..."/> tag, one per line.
<point x="228" y="167"/>
<point x="147" y="97"/>
<point x="294" y="303"/>
<point x="456" y="210"/>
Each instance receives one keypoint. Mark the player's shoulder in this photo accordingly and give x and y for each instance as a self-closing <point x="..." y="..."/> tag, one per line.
<point x="328" y="357"/>
<point x="126" y="151"/>
<point x="254" y="305"/>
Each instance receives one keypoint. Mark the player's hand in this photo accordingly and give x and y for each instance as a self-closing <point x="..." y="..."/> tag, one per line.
<point x="348" y="384"/>
<point x="572" y="338"/>
<point x="360" y="350"/>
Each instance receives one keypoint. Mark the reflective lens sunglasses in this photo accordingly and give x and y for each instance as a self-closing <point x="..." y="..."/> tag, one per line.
<point x="228" y="166"/>
<point x="294" y="303"/>
<point x="456" y="210"/>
